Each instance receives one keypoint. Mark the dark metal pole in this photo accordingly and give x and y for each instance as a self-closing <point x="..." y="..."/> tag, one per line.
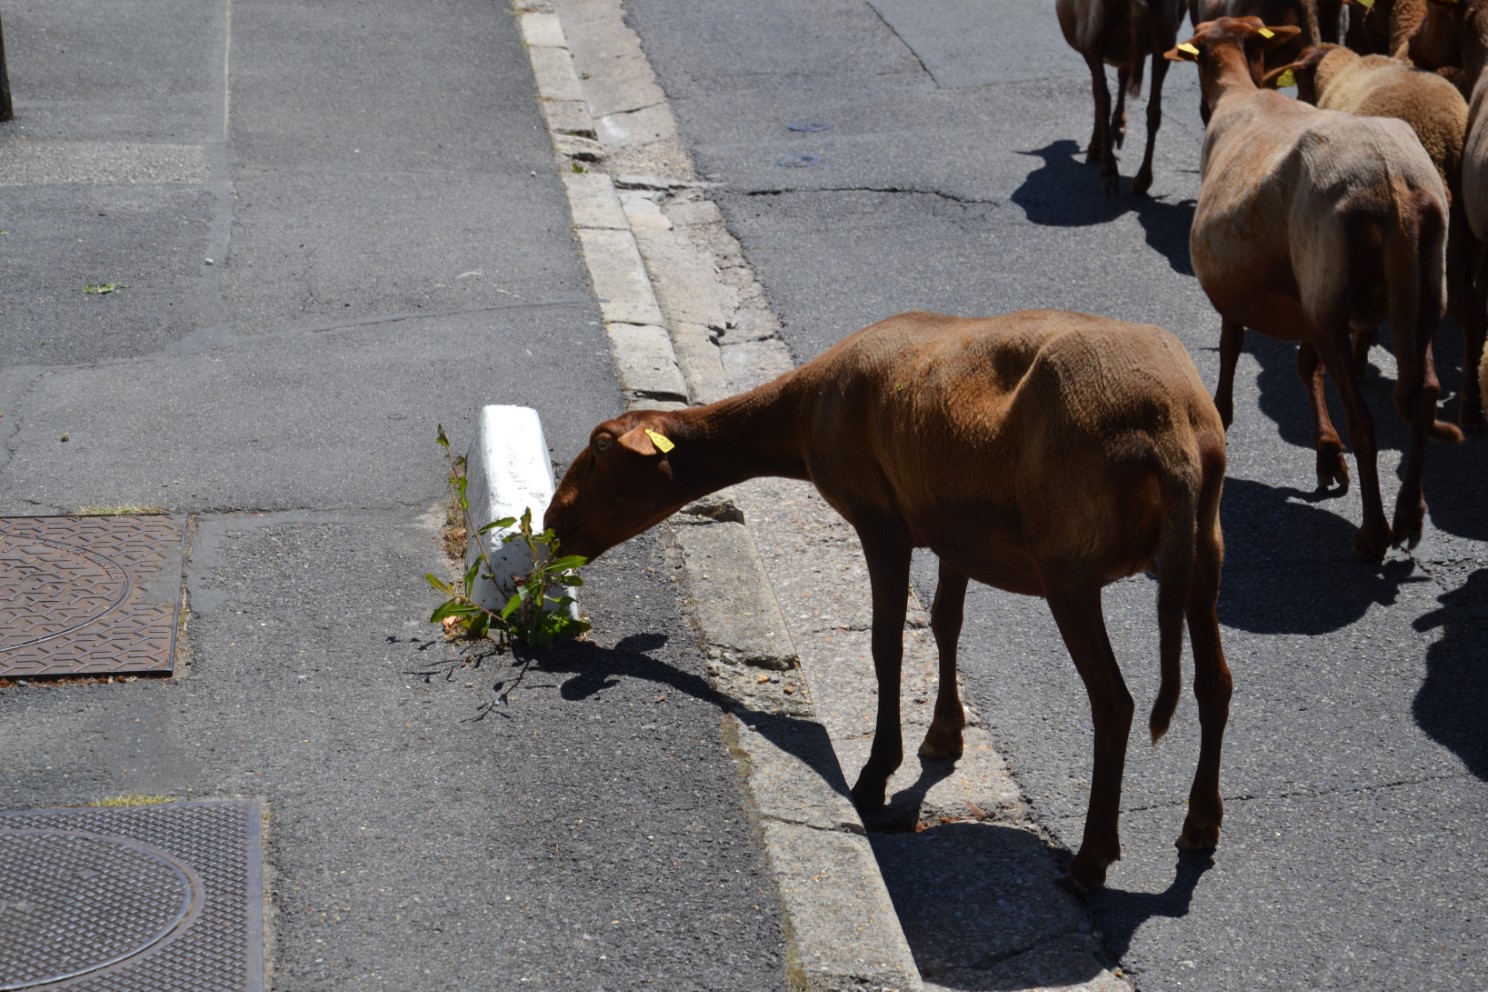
<point x="7" y="112"/>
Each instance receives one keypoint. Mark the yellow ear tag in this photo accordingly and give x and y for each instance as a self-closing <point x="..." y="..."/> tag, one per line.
<point x="662" y="442"/>
<point x="1366" y="4"/>
<point x="1188" y="49"/>
<point x="1287" y="78"/>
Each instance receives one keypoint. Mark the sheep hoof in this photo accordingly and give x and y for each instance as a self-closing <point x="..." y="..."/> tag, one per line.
<point x="1085" y="875"/>
<point x="1198" y="837"/>
<point x="1371" y="543"/>
<point x="942" y="744"/>
<point x="1142" y="183"/>
<point x="1443" y="431"/>
<point x="869" y="796"/>
<point x="1408" y="527"/>
<point x="1332" y="469"/>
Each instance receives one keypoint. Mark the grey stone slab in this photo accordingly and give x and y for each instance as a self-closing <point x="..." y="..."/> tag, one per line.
<point x="463" y="100"/>
<point x="146" y="73"/>
<point x="394" y="243"/>
<point x="727" y="592"/>
<point x="61" y="240"/>
<point x="832" y="892"/>
<point x="30" y="163"/>
<point x="341" y="418"/>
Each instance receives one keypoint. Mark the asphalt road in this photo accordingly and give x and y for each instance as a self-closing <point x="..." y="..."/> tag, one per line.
<point x="875" y="157"/>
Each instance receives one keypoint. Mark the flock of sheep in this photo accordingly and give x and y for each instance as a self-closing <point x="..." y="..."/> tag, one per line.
<point x="1363" y="202"/>
<point x="1050" y="453"/>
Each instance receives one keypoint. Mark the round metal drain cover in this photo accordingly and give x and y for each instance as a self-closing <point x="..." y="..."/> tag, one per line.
<point x="55" y="588"/>
<point x="75" y="902"/>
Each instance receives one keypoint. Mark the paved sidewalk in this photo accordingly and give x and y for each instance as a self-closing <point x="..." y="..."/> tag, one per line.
<point x="328" y="229"/>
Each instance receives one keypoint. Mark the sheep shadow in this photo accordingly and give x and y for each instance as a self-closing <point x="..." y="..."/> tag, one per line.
<point x="975" y="900"/>
<point x="1121" y="914"/>
<point x="1452" y="701"/>
<point x="1456" y="474"/>
<point x="1298" y="574"/>
<point x="580" y="670"/>
<point x="1065" y="192"/>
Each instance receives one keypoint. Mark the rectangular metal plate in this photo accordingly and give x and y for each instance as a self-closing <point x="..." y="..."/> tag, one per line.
<point x="92" y="595"/>
<point x="133" y="899"/>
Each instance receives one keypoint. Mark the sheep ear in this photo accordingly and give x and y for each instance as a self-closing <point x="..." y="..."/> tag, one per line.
<point x="645" y="442"/>
<point x="1269" y="38"/>
<point x="1186" y="52"/>
<point x="1281" y="78"/>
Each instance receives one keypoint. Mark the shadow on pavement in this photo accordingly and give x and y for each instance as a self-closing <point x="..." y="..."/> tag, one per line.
<point x="980" y="908"/>
<point x="1456" y="474"/>
<point x="1065" y="192"/>
<point x="1452" y="704"/>
<point x="584" y="669"/>
<point x="1259" y="595"/>
<point x="1121" y="914"/>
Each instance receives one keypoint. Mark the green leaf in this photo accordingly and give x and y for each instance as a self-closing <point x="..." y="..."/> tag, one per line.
<point x="501" y="524"/>
<point x="439" y="584"/>
<point x="565" y="563"/>
<point x="471" y="573"/>
<point x="512" y="605"/>
<point x="572" y="581"/>
<point x="441" y="440"/>
<point x="453" y="608"/>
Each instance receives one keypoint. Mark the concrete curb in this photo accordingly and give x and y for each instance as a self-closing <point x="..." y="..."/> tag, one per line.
<point x="843" y="932"/>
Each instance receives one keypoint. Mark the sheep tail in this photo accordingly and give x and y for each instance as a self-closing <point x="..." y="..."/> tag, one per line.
<point x="1141" y="44"/>
<point x="1180" y="492"/>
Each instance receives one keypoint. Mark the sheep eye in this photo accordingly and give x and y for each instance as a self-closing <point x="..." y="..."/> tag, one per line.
<point x="602" y="443"/>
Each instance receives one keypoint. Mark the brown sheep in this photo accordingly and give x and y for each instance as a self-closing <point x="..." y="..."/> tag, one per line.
<point x="1336" y="78"/>
<point x="1044" y="452"/>
<point x="1309" y="222"/>
<point x="1383" y="27"/>
<point x="1121" y="33"/>
<point x="1454" y="35"/>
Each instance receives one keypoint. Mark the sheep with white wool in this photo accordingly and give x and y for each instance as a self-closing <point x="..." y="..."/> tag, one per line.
<point x="1309" y="223"/>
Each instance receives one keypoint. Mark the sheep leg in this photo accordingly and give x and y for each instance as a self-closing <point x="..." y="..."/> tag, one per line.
<point x="944" y="739"/>
<point x="1212" y="682"/>
<point x="1373" y="537"/>
<point x="888" y="573"/>
<point x="1466" y="304"/>
<point x="1332" y="467"/>
<point x="1118" y="116"/>
<point x="1231" y="343"/>
<point x="1078" y="613"/>
<point x="1143" y="181"/>
<point x="1100" y="140"/>
<point x="1410" y="503"/>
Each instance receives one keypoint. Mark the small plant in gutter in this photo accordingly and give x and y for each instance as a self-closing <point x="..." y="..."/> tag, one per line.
<point x="536" y="615"/>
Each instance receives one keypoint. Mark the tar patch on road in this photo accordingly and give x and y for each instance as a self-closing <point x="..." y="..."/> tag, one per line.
<point x="89" y="595"/>
<point x="132" y="899"/>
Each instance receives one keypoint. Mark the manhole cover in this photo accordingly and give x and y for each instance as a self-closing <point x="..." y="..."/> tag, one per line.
<point x="75" y="902"/>
<point x="135" y="899"/>
<point x="88" y="595"/>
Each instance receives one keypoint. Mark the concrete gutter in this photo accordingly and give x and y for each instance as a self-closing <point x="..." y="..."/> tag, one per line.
<point x="688" y="323"/>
